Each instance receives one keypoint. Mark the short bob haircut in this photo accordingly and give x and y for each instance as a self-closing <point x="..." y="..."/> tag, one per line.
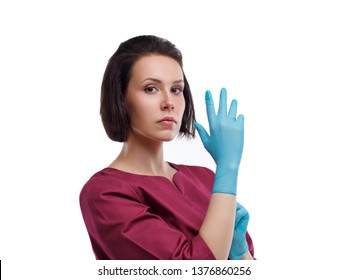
<point x="113" y="110"/>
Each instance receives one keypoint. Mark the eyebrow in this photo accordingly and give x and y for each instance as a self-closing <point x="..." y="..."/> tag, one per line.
<point x="159" y="81"/>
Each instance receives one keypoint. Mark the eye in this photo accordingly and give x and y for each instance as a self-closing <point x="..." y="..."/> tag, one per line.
<point x="150" y="89"/>
<point x="176" y="90"/>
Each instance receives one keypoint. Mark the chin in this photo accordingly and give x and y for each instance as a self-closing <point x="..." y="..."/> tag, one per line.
<point x="167" y="137"/>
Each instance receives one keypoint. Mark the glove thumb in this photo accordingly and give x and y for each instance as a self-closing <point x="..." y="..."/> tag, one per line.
<point x="202" y="133"/>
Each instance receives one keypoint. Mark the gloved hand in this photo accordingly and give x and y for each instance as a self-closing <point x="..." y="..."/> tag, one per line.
<point x="239" y="245"/>
<point x="225" y="142"/>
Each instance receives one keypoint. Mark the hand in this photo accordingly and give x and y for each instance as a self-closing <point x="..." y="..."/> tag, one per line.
<point x="225" y="142"/>
<point x="239" y="244"/>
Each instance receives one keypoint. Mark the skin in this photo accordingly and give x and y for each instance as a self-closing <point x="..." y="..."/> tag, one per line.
<point x="155" y="91"/>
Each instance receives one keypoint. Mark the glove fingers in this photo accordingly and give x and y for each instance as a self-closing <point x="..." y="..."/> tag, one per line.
<point x="241" y="214"/>
<point x="202" y="133"/>
<point x="222" y="102"/>
<point x="240" y="121"/>
<point x="233" y="109"/>
<point x="243" y="223"/>
<point x="211" y="113"/>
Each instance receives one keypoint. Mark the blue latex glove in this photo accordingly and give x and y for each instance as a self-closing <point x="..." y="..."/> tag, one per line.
<point x="239" y="245"/>
<point x="225" y="142"/>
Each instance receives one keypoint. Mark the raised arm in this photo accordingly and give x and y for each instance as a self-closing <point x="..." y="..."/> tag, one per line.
<point x="225" y="145"/>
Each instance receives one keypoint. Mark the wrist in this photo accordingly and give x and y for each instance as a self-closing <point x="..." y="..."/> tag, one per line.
<point x="225" y="180"/>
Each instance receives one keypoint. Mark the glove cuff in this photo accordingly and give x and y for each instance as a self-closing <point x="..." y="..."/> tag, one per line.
<point x="225" y="181"/>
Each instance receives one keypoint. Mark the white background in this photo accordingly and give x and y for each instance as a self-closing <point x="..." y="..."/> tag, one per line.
<point x="284" y="61"/>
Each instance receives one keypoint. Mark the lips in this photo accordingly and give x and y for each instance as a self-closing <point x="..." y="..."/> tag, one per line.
<point x="168" y="119"/>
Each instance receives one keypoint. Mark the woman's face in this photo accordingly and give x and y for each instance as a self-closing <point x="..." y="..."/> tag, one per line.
<point x="155" y="98"/>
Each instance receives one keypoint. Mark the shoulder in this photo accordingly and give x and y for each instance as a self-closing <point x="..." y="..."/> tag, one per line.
<point x="107" y="181"/>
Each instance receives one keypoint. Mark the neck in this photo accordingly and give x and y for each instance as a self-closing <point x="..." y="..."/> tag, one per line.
<point x="142" y="156"/>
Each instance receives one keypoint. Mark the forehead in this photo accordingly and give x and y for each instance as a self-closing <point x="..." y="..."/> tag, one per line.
<point x="156" y="66"/>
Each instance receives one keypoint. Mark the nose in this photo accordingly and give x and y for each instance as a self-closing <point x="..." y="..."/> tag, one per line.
<point x="167" y="102"/>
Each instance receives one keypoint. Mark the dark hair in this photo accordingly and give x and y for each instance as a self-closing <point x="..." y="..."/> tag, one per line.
<point x="113" y="110"/>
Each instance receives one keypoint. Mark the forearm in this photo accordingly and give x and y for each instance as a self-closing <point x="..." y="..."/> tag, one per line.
<point x="225" y="145"/>
<point x="218" y="226"/>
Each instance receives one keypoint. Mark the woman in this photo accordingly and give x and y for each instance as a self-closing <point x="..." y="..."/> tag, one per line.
<point x="141" y="207"/>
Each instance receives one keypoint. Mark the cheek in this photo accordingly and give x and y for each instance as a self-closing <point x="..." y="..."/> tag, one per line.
<point x="181" y="104"/>
<point x="140" y="113"/>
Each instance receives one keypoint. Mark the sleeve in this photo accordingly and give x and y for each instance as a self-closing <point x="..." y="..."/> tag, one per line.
<point x="120" y="226"/>
<point x="250" y="244"/>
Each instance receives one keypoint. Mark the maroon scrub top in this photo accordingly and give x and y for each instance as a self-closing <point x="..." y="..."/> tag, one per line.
<point x="138" y="217"/>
